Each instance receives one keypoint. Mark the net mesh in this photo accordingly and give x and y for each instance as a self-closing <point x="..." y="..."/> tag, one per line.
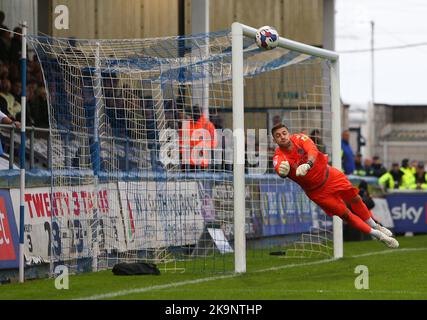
<point x="142" y="151"/>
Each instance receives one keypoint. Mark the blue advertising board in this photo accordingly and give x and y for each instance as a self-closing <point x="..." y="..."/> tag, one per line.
<point x="285" y="209"/>
<point x="408" y="211"/>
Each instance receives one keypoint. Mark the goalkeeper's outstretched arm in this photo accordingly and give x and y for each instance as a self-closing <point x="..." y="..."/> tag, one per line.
<point x="311" y="149"/>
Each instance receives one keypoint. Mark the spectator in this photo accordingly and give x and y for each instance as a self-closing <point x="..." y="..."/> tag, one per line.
<point x="4" y="71"/>
<point x="30" y="96"/>
<point x="347" y="155"/>
<point x="377" y="166"/>
<point x="277" y="119"/>
<point x="420" y="181"/>
<point x="367" y="164"/>
<point x="316" y="136"/>
<point x="413" y="166"/>
<point x="4" y="119"/>
<point x="15" y="46"/>
<point x="202" y="122"/>
<point x="408" y="177"/>
<point x="405" y="166"/>
<point x="205" y="144"/>
<point x="391" y="179"/>
<point x="360" y="169"/>
<point x="17" y="90"/>
<point x="39" y="109"/>
<point x="4" y="45"/>
<point x="7" y="100"/>
<point x="2" y="17"/>
<point x="14" y="73"/>
<point x="364" y="194"/>
<point x="223" y="139"/>
<point x="217" y="121"/>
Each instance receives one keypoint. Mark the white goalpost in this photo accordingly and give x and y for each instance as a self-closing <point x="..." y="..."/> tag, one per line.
<point x="161" y="151"/>
<point x="239" y="30"/>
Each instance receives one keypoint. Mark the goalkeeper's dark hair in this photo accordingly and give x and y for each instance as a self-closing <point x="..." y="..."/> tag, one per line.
<point x="277" y="127"/>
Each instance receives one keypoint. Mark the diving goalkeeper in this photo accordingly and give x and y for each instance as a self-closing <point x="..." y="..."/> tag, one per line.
<point x="298" y="158"/>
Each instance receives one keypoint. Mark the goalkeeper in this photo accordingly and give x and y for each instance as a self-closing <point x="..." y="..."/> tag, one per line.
<point x="298" y="158"/>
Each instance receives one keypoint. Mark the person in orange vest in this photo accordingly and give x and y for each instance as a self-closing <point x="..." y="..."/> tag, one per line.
<point x="197" y="140"/>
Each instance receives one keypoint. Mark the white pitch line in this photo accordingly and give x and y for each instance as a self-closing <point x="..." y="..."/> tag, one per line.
<point x="288" y="266"/>
<point x="320" y="291"/>
<point x="159" y="287"/>
<point x="387" y="252"/>
<point x="184" y="283"/>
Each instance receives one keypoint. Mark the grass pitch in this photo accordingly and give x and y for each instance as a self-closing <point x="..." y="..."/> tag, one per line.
<point x="393" y="274"/>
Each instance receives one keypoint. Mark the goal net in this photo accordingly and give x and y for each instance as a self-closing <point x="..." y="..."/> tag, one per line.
<point x="144" y="152"/>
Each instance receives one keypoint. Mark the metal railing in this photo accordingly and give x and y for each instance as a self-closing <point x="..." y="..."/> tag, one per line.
<point x="31" y="154"/>
<point x="10" y="137"/>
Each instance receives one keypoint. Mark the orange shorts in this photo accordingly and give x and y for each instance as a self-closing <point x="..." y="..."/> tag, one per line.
<point x="334" y="194"/>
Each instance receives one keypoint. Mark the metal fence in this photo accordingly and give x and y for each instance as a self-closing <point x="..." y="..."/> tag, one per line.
<point x="11" y="140"/>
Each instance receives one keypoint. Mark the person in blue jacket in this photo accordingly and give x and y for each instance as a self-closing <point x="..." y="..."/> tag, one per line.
<point x="347" y="155"/>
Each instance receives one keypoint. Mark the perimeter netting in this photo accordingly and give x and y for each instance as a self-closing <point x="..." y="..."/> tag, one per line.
<point x="142" y="151"/>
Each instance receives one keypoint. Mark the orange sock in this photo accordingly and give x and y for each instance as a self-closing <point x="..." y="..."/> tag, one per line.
<point x="360" y="209"/>
<point x="357" y="223"/>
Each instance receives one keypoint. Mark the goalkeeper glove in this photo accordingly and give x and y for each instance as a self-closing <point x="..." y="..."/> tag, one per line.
<point x="304" y="168"/>
<point x="284" y="168"/>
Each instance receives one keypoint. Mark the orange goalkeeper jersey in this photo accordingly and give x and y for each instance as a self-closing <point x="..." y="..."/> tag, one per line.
<point x="302" y="148"/>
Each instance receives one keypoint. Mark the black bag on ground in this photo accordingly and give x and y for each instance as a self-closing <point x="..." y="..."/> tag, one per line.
<point x="137" y="268"/>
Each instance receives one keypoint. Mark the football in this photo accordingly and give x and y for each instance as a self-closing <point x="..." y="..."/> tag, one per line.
<point x="267" y="38"/>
